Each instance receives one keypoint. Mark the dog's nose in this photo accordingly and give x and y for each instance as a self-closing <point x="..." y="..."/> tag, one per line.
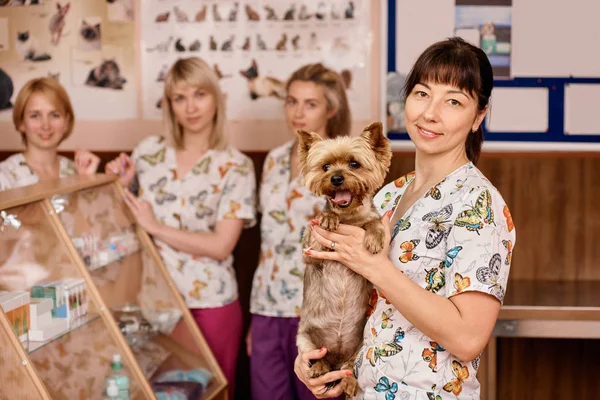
<point x="337" y="180"/>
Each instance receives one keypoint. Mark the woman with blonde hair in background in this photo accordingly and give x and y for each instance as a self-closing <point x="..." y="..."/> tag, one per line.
<point x="316" y="101"/>
<point x="196" y="194"/>
<point x="44" y="117"/>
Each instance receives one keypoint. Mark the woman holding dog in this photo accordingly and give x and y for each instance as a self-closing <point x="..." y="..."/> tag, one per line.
<point x="316" y="101"/>
<point x="43" y="116"/>
<point x="441" y="281"/>
<point x="196" y="194"/>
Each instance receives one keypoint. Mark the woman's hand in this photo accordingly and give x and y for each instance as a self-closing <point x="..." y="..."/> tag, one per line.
<point x="143" y="213"/>
<point x="86" y="163"/>
<point x="123" y="167"/>
<point x="249" y="341"/>
<point x="317" y="385"/>
<point x="349" y="248"/>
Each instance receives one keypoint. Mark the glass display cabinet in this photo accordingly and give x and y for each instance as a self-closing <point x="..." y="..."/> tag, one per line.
<point x="79" y="283"/>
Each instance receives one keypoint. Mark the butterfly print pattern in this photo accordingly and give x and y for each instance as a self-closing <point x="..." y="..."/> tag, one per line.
<point x="220" y="186"/>
<point x="14" y="171"/>
<point x="287" y="208"/>
<point x="449" y="242"/>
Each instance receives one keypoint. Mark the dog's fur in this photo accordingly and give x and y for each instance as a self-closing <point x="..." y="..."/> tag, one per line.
<point x="336" y="299"/>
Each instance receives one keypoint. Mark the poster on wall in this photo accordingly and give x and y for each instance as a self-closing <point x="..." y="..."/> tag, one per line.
<point x="88" y="46"/>
<point x="487" y="24"/>
<point x="255" y="45"/>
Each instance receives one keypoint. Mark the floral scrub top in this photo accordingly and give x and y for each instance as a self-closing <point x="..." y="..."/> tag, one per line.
<point x="287" y="207"/>
<point x="457" y="238"/>
<point x="14" y="171"/>
<point x="220" y="186"/>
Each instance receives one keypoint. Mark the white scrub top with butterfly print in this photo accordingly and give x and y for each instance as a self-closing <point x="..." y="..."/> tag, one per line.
<point x="287" y="207"/>
<point x="222" y="185"/>
<point x="457" y="238"/>
<point x="14" y="171"/>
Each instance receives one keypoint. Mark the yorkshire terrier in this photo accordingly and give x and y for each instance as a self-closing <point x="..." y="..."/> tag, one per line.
<point x="348" y="171"/>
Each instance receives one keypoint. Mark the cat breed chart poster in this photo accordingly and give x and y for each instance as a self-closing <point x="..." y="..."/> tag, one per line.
<point x="254" y="46"/>
<point x="87" y="45"/>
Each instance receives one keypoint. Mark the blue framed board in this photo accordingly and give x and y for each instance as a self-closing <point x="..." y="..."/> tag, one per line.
<point x="554" y="137"/>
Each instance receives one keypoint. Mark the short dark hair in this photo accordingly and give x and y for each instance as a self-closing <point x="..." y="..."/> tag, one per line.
<point x="457" y="63"/>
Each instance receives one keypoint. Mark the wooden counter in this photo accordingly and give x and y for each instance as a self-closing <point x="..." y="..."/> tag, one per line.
<point x="550" y="309"/>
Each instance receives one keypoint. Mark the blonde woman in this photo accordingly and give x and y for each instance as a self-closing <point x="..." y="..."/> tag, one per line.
<point x="43" y="116"/>
<point x="196" y="194"/>
<point x="316" y="101"/>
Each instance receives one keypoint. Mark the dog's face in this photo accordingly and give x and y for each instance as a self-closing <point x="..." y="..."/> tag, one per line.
<point x="346" y="169"/>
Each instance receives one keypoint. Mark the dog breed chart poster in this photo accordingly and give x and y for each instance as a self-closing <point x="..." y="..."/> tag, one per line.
<point x="88" y="46"/>
<point x="255" y="45"/>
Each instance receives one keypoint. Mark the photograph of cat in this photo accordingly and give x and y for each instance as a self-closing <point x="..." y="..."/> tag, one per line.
<point x="271" y="15"/>
<point x="253" y="14"/>
<point x="161" y="46"/>
<point x="219" y="73"/>
<point x="20" y="2"/>
<point x="281" y="44"/>
<point x="260" y="43"/>
<point x="179" y="46"/>
<point x="234" y="12"/>
<point x="6" y="90"/>
<point x="349" y="12"/>
<point x="201" y="14"/>
<point x="89" y="34"/>
<point x="180" y="15"/>
<point x="4" y="35"/>
<point x="262" y="86"/>
<point x="228" y="44"/>
<point x="289" y="14"/>
<point x="314" y="43"/>
<point x="246" y="45"/>
<point x="162" y="17"/>
<point x="303" y="15"/>
<point x="57" y="22"/>
<point x="296" y="42"/>
<point x="321" y="10"/>
<point x="194" y="46"/>
<point x="106" y="75"/>
<point x="29" y="48"/>
<point x="120" y="10"/>
<point x="215" y="12"/>
<point x="213" y="43"/>
<point x="162" y="74"/>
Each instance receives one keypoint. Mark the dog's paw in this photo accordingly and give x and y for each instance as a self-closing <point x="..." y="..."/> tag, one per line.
<point x="374" y="240"/>
<point x="349" y="385"/>
<point x="318" y="368"/>
<point x="329" y="221"/>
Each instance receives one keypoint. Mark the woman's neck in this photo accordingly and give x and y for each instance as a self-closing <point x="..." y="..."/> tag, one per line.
<point x="431" y="169"/>
<point x="198" y="142"/>
<point x="41" y="158"/>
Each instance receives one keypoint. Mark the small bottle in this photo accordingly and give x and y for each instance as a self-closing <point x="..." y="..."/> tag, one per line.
<point x="112" y="390"/>
<point x="119" y="377"/>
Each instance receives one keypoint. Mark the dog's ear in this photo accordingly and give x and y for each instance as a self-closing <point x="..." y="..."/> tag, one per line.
<point x="380" y="144"/>
<point x="374" y="134"/>
<point x="305" y="141"/>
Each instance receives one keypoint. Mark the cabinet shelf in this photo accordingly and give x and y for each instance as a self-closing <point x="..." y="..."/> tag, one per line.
<point x="33" y="346"/>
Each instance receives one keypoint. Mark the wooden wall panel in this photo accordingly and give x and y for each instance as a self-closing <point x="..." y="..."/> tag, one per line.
<point x="537" y="369"/>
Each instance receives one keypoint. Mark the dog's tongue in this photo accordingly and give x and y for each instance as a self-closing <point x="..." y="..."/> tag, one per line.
<point x="342" y="197"/>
